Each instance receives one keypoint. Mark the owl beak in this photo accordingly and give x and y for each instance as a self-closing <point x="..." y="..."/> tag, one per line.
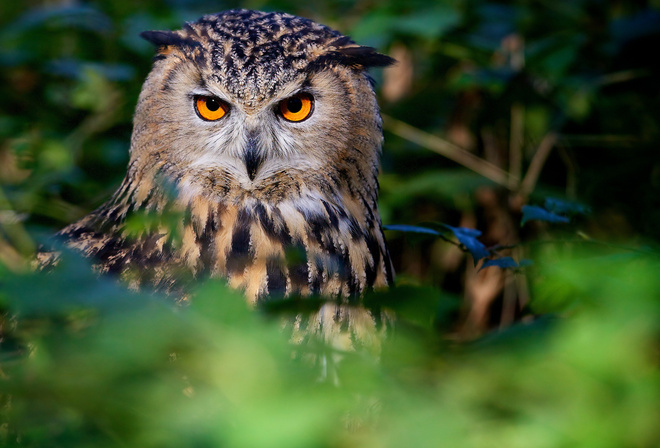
<point x="252" y="157"/>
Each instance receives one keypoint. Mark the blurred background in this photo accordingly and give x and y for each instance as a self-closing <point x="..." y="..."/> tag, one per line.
<point x="491" y="107"/>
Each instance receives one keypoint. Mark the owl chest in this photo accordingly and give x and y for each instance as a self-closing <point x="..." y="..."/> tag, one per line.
<point x="303" y="248"/>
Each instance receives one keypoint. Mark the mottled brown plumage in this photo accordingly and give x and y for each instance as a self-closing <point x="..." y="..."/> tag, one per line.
<point x="274" y="206"/>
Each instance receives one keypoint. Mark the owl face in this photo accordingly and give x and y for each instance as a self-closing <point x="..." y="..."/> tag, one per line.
<point x="252" y="97"/>
<point x="252" y="141"/>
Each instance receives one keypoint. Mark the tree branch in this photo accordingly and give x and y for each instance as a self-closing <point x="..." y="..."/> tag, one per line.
<point x="451" y="151"/>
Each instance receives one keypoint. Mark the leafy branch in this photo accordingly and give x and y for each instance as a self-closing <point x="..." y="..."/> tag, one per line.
<point x="466" y="239"/>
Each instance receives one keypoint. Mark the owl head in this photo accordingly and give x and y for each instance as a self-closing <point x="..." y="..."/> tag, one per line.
<point x="249" y="104"/>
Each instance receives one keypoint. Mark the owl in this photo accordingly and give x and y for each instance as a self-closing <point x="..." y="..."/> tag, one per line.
<point x="261" y="135"/>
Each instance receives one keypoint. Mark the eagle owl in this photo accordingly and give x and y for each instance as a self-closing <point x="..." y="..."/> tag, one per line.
<point x="262" y="131"/>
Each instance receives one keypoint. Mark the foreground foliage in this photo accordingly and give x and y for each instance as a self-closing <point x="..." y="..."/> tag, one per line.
<point x="104" y="367"/>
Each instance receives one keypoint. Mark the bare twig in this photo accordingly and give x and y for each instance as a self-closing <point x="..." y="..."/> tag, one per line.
<point x="536" y="165"/>
<point x="11" y="258"/>
<point x="622" y="76"/>
<point x="571" y="172"/>
<point x="597" y="140"/>
<point x="451" y="151"/>
<point x="582" y="240"/>
<point x="516" y="140"/>
<point x="12" y="227"/>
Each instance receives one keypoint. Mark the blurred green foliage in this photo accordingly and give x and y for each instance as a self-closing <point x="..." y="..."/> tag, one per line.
<point x="561" y="97"/>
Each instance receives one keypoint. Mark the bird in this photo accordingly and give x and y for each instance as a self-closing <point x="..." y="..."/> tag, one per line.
<point x="254" y="158"/>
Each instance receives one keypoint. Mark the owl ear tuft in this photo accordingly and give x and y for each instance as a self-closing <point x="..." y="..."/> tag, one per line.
<point x="366" y="57"/>
<point x="347" y="52"/>
<point x="165" y="41"/>
<point x="162" y="38"/>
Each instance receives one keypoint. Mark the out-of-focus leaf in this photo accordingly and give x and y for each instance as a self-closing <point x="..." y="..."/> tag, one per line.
<point x="430" y="23"/>
<point x="468" y="237"/>
<point x="452" y="186"/>
<point x="533" y="212"/>
<point x="374" y="29"/>
<point x="644" y="23"/>
<point x="94" y="92"/>
<point x="496" y="22"/>
<point x="411" y="229"/>
<point x="81" y="69"/>
<point x="70" y="286"/>
<point x="416" y="305"/>
<point x="579" y="103"/>
<point x="530" y="335"/>
<point x="55" y="156"/>
<point x="79" y="16"/>
<point x="493" y="80"/>
<point x="564" y="207"/>
<point x="506" y="263"/>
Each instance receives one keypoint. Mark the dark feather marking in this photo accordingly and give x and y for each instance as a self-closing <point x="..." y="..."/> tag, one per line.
<point x="205" y="241"/>
<point x="318" y="227"/>
<point x="188" y="219"/>
<point x="336" y="180"/>
<point x="77" y="232"/>
<point x="353" y="289"/>
<point x="283" y="230"/>
<point x="345" y="270"/>
<point x="299" y="274"/>
<point x="148" y="246"/>
<point x="359" y="172"/>
<point x="367" y="206"/>
<point x="354" y="228"/>
<point x="389" y="275"/>
<point x="274" y="227"/>
<point x="169" y="78"/>
<point x="125" y="190"/>
<point x="372" y="269"/>
<point x="108" y="252"/>
<point x="240" y="254"/>
<point x="344" y="174"/>
<point x="342" y="214"/>
<point x="334" y="222"/>
<point x="276" y="278"/>
<point x="264" y="220"/>
<point x="112" y="215"/>
<point x="296" y="257"/>
<point x="326" y="186"/>
<point x="315" y="284"/>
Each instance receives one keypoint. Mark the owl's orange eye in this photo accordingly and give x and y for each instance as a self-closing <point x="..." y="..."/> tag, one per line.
<point x="298" y="107"/>
<point x="210" y="108"/>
